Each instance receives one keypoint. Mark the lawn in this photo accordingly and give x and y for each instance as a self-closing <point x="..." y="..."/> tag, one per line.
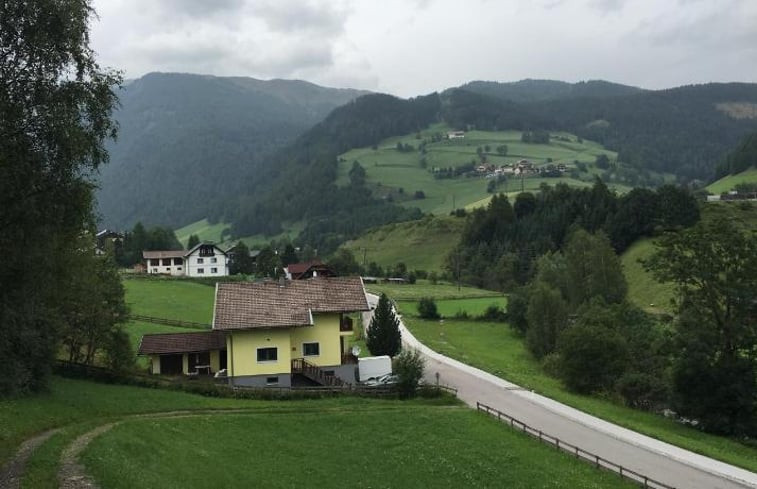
<point x="448" y="308"/>
<point x="420" y="245"/>
<point x="730" y="181"/>
<point x="495" y="348"/>
<point x="418" y="446"/>
<point x="424" y="288"/>
<point x="170" y="298"/>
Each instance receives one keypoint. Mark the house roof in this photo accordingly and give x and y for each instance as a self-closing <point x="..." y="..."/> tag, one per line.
<point x="163" y="254"/>
<point x="159" y="344"/>
<point x="285" y="304"/>
<point x="298" y="268"/>
<point x="177" y="253"/>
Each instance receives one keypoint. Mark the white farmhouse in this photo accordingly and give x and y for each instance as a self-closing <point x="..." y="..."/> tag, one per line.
<point x="204" y="260"/>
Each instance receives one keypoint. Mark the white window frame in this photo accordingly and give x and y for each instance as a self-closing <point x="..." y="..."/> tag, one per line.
<point x="214" y="260"/>
<point x="311" y="343"/>
<point x="257" y="354"/>
<point x="214" y="270"/>
<point x="201" y="271"/>
<point x="200" y="261"/>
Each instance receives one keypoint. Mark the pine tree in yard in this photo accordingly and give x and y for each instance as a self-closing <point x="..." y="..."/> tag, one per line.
<point x="384" y="336"/>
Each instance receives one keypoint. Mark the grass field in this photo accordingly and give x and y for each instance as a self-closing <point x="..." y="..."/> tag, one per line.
<point x="448" y="308"/>
<point x="643" y="290"/>
<point x="388" y="170"/>
<point x="423" y="288"/>
<point x="730" y="181"/>
<point x="417" y="446"/>
<point x="421" y="245"/>
<point x="495" y="348"/>
<point x="170" y="298"/>
<point x="214" y="233"/>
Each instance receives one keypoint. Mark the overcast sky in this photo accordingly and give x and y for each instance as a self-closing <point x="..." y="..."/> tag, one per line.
<point x="413" y="47"/>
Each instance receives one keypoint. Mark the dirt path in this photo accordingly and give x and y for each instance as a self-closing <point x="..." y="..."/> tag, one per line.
<point x="13" y="471"/>
<point x="72" y="474"/>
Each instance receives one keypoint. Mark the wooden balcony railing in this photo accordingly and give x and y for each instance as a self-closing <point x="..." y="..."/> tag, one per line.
<point x="314" y="373"/>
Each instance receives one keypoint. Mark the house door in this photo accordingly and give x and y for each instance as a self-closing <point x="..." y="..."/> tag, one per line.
<point x="222" y="362"/>
<point x="171" y="364"/>
<point x="201" y="359"/>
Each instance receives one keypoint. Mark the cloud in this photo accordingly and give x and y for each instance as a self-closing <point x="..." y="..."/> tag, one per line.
<point x="293" y="16"/>
<point x="607" y="6"/>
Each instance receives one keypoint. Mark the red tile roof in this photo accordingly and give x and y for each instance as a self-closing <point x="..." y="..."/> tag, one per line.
<point x="285" y="304"/>
<point x="159" y="344"/>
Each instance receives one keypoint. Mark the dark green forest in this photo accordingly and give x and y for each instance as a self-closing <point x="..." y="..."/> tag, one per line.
<point x="741" y="159"/>
<point x="186" y="141"/>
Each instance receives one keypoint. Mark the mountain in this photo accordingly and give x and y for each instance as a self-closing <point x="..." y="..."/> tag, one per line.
<point x="684" y="130"/>
<point x="186" y="141"/>
<point x="526" y="91"/>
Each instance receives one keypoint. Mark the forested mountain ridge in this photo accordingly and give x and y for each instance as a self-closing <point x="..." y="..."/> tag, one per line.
<point x="684" y="130"/>
<point x="529" y="90"/>
<point x="186" y="140"/>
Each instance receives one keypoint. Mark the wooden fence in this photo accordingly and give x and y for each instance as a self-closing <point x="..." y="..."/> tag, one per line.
<point x="592" y="458"/>
<point x="169" y="322"/>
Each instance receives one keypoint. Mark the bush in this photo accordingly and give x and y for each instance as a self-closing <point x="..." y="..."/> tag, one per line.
<point x="408" y="366"/>
<point x="493" y="313"/>
<point x="427" y="308"/>
<point x="592" y="357"/>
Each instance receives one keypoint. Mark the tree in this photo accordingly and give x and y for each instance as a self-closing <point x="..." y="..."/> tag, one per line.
<point x="525" y="204"/>
<point x="357" y="174"/>
<point x="547" y="316"/>
<point x="343" y="262"/>
<point x="55" y="108"/>
<point x="427" y="308"/>
<point x="409" y="367"/>
<point x="594" y="270"/>
<point x="602" y="162"/>
<point x="240" y="260"/>
<point x="714" y="269"/>
<point x="193" y="241"/>
<point x="383" y="335"/>
<point x="289" y="256"/>
<point x="502" y="150"/>
<point x="268" y="263"/>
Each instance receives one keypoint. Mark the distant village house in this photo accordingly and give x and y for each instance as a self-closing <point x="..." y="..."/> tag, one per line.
<point x="203" y="260"/>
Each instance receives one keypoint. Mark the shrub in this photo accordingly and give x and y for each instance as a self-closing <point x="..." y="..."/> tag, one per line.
<point x="427" y="308"/>
<point x="408" y="366"/>
<point x="493" y="313"/>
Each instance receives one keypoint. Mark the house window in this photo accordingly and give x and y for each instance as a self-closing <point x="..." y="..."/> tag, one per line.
<point x="214" y="260"/>
<point x="268" y="354"/>
<point x="166" y="262"/>
<point x="271" y="381"/>
<point x="207" y="250"/>
<point x="200" y="261"/>
<point x="311" y="349"/>
<point x="200" y="270"/>
<point x="178" y="261"/>
<point x="154" y="262"/>
<point x="213" y="270"/>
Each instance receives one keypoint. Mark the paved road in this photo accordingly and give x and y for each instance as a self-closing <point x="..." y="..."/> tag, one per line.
<point x="660" y="461"/>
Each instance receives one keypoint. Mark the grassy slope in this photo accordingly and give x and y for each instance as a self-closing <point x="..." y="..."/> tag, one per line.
<point x="643" y="289"/>
<point x="170" y="298"/>
<point x="423" y="288"/>
<point x="212" y="232"/>
<point x="730" y="181"/>
<point x="495" y="348"/>
<point x="393" y="169"/>
<point x="402" y="447"/>
<point x="421" y="245"/>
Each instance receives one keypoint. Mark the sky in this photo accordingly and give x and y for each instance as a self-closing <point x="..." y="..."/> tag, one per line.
<point x="415" y="47"/>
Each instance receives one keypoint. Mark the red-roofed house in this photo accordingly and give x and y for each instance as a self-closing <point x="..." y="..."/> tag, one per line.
<point x="310" y="269"/>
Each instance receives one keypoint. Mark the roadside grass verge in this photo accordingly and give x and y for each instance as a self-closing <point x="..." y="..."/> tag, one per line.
<point x="417" y="446"/>
<point x="496" y="348"/>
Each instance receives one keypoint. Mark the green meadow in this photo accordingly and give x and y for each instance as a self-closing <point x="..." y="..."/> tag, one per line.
<point x="389" y="170"/>
<point x="170" y="298"/>
<point x="729" y="182"/>
<point x="424" y="288"/>
<point x="449" y="308"/>
<point x="395" y="447"/>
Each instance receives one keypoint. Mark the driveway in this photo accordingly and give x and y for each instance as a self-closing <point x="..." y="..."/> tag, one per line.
<point x="660" y="461"/>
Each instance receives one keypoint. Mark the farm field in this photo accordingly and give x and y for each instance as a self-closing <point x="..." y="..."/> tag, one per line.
<point x="398" y="446"/>
<point x="170" y="298"/>
<point x="730" y="181"/>
<point x="421" y="245"/>
<point x="496" y="348"/>
<point x="424" y="288"/>
<point x="389" y="170"/>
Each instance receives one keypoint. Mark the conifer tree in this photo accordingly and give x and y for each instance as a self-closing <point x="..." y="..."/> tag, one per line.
<point x="384" y="337"/>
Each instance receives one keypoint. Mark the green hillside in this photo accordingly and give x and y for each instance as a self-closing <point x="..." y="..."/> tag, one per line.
<point x="215" y="233"/>
<point x="421" y="245"/>
<point x="395" y="174"/>
<point x="730" y="181"/>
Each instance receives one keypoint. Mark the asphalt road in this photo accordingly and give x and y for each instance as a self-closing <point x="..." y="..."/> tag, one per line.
<point x="659" y="461"/>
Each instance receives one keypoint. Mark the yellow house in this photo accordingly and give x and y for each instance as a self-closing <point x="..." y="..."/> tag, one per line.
<point x="267" y="333"/>
<point x="277" y="329"/>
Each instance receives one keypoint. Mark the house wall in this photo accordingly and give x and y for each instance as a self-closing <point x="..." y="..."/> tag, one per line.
<point x="241" y="347"/>
<point x="194" y="262"/>
<point x="215" y="364"/>
<point x="155" y="360"/>
<point x="325" y="331"/>
<point x="162" y="268"/>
